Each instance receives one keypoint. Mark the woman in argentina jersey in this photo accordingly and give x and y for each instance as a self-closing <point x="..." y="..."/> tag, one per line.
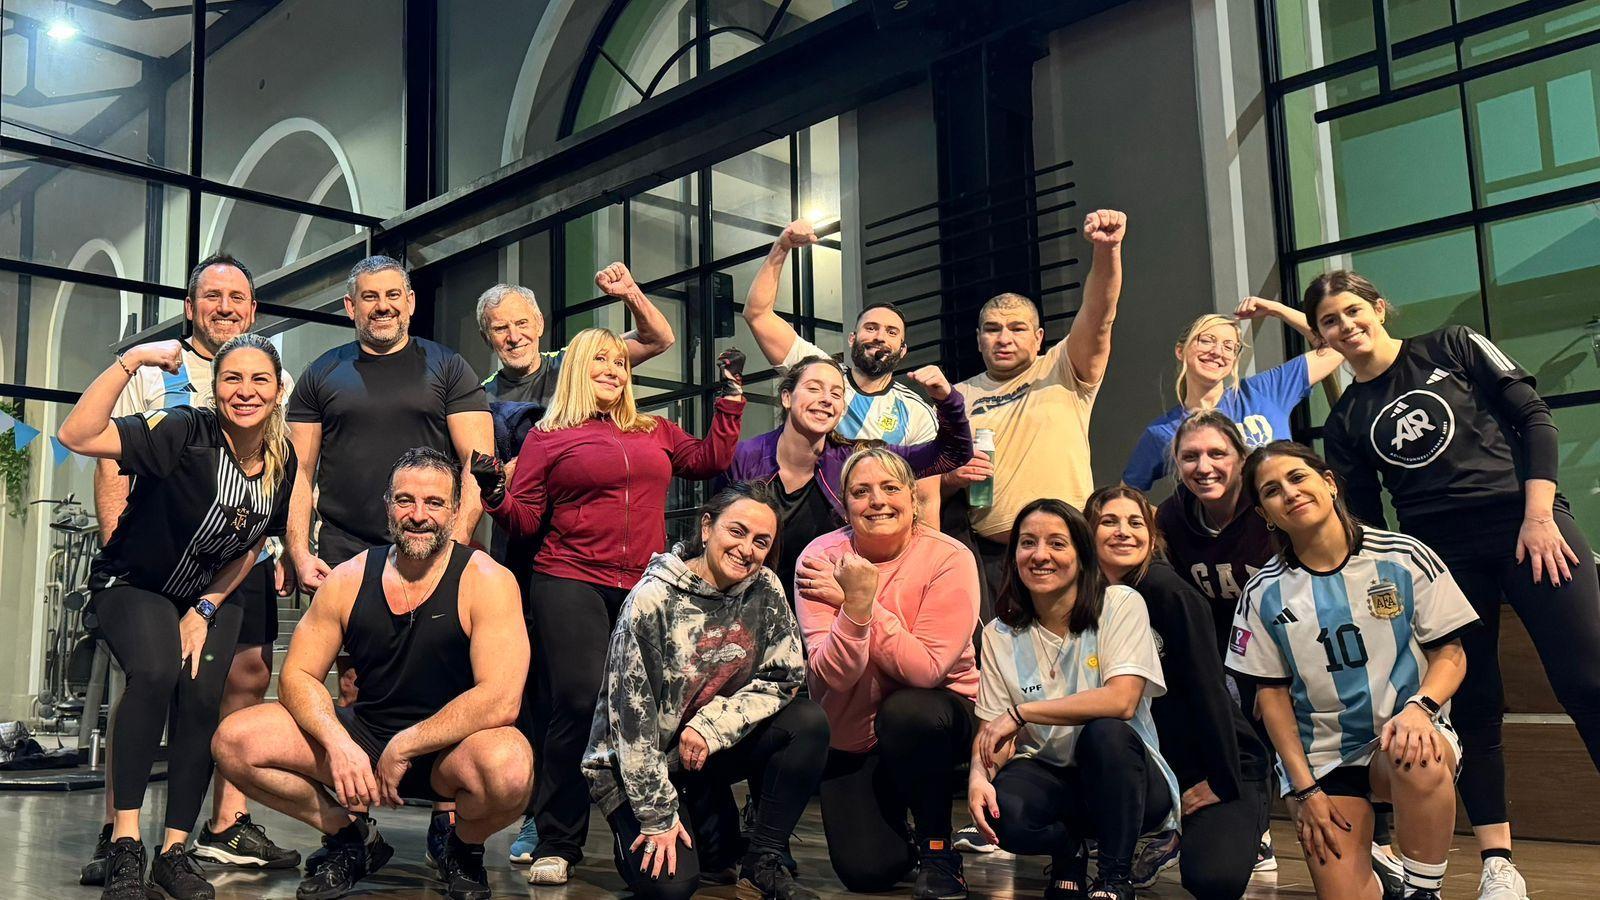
<point x="1467" y="449"/>
<point x="213" y="484"/>
<point x="1068" y="749"/>
<point x="1353" y="636"/>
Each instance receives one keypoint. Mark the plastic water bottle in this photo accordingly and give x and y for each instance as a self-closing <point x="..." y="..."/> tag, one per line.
<point x="980" y="494"/>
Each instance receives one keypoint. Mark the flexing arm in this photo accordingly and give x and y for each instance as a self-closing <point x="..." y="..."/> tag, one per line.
<point x="1320" y="362"/>
<point x="837" y="648"/>
<point x="1089" y="341"/>
<point x="492" y="608"/>
<point x="922" y="653"/>
<point x="88" y="429"/>
<point x="469" y="431"/>
<point x="710" y="456"/>
<point x="952" y="445"/>
<point x="773" y="335"/>
<point x="307" y="440"/>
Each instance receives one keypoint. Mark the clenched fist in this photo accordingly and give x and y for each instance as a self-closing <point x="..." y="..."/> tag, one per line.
<point x="615" y="281"/>
<point x="1105" y="227"/>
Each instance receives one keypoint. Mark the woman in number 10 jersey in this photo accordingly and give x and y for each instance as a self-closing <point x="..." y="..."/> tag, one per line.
<point x="1353" y="637"/>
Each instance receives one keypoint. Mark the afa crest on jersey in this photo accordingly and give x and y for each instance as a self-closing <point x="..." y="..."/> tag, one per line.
<point x="1383" y="599"/>
<point x="887" y="421"/>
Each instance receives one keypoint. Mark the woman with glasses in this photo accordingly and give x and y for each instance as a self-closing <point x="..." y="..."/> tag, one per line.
<point x="1208" y="378"/>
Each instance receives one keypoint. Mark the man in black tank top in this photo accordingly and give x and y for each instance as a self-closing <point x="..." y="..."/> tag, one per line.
<point x="434" y="630"/>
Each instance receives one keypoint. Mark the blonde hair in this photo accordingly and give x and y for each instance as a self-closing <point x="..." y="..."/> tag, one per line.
<point x="574" y="401"/>
<point x="275" y="433"/>
<point x="893" y="463"/>
<point x="1196" y="328"/>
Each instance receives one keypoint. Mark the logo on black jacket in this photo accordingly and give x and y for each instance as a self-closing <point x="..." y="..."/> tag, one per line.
<point x="1414" y="429"/>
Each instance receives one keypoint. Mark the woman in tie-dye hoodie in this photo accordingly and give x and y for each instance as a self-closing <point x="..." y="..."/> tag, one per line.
<point x="699" y="692"/>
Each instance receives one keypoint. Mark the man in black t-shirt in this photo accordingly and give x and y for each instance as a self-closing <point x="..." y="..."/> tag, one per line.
<point x="358" y="406"/>
<point x="511" y="324"/>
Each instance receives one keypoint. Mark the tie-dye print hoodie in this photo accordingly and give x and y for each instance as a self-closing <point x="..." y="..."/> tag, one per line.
<point x="685" y="654"/>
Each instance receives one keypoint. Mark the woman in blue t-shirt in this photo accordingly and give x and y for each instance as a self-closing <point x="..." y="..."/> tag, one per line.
<point x="1208" y="378"/>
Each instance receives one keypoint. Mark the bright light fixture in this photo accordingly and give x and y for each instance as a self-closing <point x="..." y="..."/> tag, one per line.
<point x="61" y="30"/>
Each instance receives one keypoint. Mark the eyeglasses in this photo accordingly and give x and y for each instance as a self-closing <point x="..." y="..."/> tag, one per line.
<point x="1210" y="342"/>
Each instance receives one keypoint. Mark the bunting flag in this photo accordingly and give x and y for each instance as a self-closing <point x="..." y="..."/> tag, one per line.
<point x="81" y="462"/>
<point x="23" y="434"/>
<point x="59" y="450"/>
<point x="6" y="421"/>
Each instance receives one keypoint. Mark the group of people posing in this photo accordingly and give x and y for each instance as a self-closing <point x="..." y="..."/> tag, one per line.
<point x="906" y="579"/>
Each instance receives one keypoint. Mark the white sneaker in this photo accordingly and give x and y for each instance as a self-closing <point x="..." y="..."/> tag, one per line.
<point x="549" y="870"/>
<point x="1501" y="881"/>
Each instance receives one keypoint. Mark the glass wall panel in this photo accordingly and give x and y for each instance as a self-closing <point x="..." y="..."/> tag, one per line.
<point x="91" y="77"/>
<point x="591" y="243"/>
<point x="1533" y="32"/>
<point x="1543" y="273"/>
<point x="69" y="328"/>
<point x="265" y="237"/>
<point x="1580" y="466"/>
<point x="664" y="227"/>
<point x="1401" y="163"/>
<point x="751" y="198"/>
<point x="640" y="51"/>
<point x="66" y="231"/>
<point x="295" y="104"/>
<point x="1536" y="128"/>
<point x="1315" y="33"/>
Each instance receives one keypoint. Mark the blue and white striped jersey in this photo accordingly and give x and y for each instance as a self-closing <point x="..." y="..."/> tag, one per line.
<point x="896" y="415"/>
<point x="1348" y="643"/>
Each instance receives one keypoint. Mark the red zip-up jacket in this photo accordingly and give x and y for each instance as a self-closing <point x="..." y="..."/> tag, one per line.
<point x="603" y="492"/>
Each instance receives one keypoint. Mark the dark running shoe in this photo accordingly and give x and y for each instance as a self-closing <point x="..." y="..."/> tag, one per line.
<point x="94" y="871"/>
<point x="124" y="873"/>
<point x="461" y="870"/>
<point x="1067" y="876"/>
<point x="1152" y="856"/>
<point x="940" y="876"/>
<point x="179" y="875"/>
<point x="440" y="826"/>
<point x="346" y="859"/>
<point x="769" y="878"/>
<point x="245" y="844"/>
<point x="1111" y="890"/>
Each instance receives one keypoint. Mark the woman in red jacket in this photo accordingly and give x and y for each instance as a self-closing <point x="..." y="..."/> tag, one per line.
<point x="593" y="475"/>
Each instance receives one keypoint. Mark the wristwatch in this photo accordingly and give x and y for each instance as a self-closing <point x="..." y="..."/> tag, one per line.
<point x="206" y="609"/>
<point x="1428" y="704"/>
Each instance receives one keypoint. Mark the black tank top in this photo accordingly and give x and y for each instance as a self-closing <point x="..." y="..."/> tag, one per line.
<point x="407" y="666"/>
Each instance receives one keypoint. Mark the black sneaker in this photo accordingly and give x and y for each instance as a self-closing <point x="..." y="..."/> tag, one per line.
<point x="244" y="843"/>
<point x="348" y="859"/>
<point x="461" y="869"/>
<point x="769" y="878"/>
<point x="124" y="873"/>
<point x="1121" y="889"/>
<point x="176" y="873"/>
<point x="939" y="876"/>
<point x="94" y="871"/>
<point x="440" y="826"/>
<point x="1067" y="876"/>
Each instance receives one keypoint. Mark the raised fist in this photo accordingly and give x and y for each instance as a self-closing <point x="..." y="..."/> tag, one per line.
<point x="490" y="476"/>
<point x="798" y="233"/>
<point x="1105" y="227"/>
<point x="615" y="281"/>
<point x="730" y="373"/>
<point x="164" y="355"/>
<point x="933" y="381"/>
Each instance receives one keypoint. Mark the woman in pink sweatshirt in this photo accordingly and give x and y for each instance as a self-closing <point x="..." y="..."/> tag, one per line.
<point x="887" y="606"/>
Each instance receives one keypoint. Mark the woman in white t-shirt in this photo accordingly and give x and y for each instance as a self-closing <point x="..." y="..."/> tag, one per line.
<point x="1068" y="749"/>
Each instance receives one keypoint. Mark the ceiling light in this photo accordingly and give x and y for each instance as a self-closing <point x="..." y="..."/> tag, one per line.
<point x="61" y="30"/>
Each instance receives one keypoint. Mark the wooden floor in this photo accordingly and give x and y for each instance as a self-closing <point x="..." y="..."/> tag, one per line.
<point x="49" y="835"/>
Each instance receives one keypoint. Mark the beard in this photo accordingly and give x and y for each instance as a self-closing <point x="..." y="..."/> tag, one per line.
<point x="874" y="359"/>
<point x="395" y="333"/>
<point x="420" y="543"/>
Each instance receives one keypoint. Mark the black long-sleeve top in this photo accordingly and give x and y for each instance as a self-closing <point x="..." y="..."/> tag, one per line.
<point x="1204" y="735"/>
<point x="1453" y="424"/>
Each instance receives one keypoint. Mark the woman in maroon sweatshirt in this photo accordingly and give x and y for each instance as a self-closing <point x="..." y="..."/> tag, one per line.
<point x="593" y="476"/>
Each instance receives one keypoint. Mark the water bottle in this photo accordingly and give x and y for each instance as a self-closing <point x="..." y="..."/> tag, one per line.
<point x="980" y="494"/>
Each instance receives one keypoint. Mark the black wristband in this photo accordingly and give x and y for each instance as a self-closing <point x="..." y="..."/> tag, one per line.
<point x="1016" y="716"/>
<point x="1308" y="793"/>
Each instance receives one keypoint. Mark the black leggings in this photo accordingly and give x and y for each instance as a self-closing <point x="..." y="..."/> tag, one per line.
<point x="782" y="758"/>
<point x="572" y="623"/>
<point x="923" y="734"/>
<point x="1220" y="842"/>
<point x="1113" y="792"/>
<point x="1564" y="623"/>
<point x="141" y="628"/>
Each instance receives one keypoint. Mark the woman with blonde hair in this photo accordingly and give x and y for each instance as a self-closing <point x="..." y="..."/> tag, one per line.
<point x="1208" y="378"/>
<point x="593" y="477"/>
<point x="887" y="606"/>
<point x="211" y="485"/>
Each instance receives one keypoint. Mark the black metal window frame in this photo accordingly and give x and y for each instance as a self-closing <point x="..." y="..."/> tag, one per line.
<point x="1382" y="58"/>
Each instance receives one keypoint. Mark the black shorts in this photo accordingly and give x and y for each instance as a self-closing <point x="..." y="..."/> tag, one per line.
<point x="418" y="781"/>
<point x="335" y="546"/>
<point x="259" y="597"/>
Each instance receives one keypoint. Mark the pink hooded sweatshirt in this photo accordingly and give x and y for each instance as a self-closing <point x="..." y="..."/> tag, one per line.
<point x="919" y="635"/>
